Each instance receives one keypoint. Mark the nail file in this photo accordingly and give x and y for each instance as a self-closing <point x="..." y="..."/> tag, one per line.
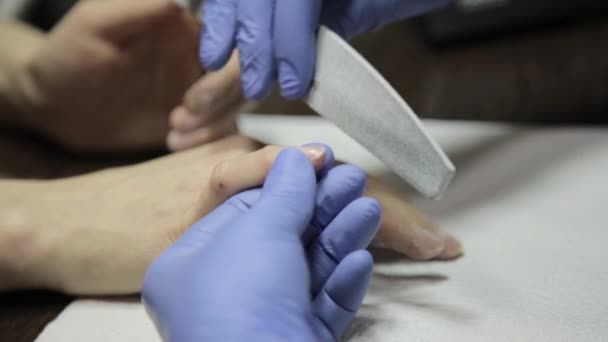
<point x="348" y="91"/>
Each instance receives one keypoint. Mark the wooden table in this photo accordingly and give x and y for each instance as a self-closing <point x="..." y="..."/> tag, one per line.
<point x="551" y="74"/>
<point x="24" y="315"/>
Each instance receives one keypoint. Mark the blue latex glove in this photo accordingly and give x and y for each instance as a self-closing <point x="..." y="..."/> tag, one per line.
<point x="283" y="263"/>
<point x="277" y="38"/>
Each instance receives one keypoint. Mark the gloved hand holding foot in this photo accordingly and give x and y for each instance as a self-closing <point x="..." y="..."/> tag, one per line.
<point x="277" y="39"/>
<point x="249" y="268"/>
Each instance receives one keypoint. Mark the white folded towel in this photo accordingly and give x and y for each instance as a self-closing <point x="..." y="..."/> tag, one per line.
<point x="530" y="206"/>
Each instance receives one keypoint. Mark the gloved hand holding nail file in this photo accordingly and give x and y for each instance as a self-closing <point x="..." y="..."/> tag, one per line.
<point x="346" y="88"/>
<point x="276" y="38"/>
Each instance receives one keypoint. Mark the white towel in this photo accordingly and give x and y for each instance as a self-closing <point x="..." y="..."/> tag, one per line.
<point x="530" y="206"/>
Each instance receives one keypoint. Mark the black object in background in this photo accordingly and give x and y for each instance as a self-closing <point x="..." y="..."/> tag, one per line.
<point x="44" y="14"/>
<point x="466" y="19"/>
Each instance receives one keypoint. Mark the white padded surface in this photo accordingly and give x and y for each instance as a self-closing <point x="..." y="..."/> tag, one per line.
<point x="530" y="207"/>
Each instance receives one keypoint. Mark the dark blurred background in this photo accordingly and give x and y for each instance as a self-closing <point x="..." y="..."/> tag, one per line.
<point x="520" y="60"/>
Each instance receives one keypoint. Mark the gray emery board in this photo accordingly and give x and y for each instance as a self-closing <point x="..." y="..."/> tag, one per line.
<point x="348" y="91"/>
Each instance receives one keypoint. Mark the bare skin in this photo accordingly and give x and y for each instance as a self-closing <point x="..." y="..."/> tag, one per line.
<point x="209" y="108"/>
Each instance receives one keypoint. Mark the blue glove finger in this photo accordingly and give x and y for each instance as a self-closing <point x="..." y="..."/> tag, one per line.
<point x="291" y="186"/>
<point x="295" y="26"/>
<point x="254" y="41"/>
<point x="219" y="29"/>
<point x="342" y="185"/>
<point x="350" y="18"/>
<point x="342" y="296"/>
<point x="353" y="229"/>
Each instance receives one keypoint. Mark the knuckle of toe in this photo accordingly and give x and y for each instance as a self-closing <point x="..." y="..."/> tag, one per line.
<point x="218" y="179"/>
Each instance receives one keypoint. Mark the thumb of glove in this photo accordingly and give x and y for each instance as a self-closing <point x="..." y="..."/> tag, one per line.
<point x="288" y="195"/>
